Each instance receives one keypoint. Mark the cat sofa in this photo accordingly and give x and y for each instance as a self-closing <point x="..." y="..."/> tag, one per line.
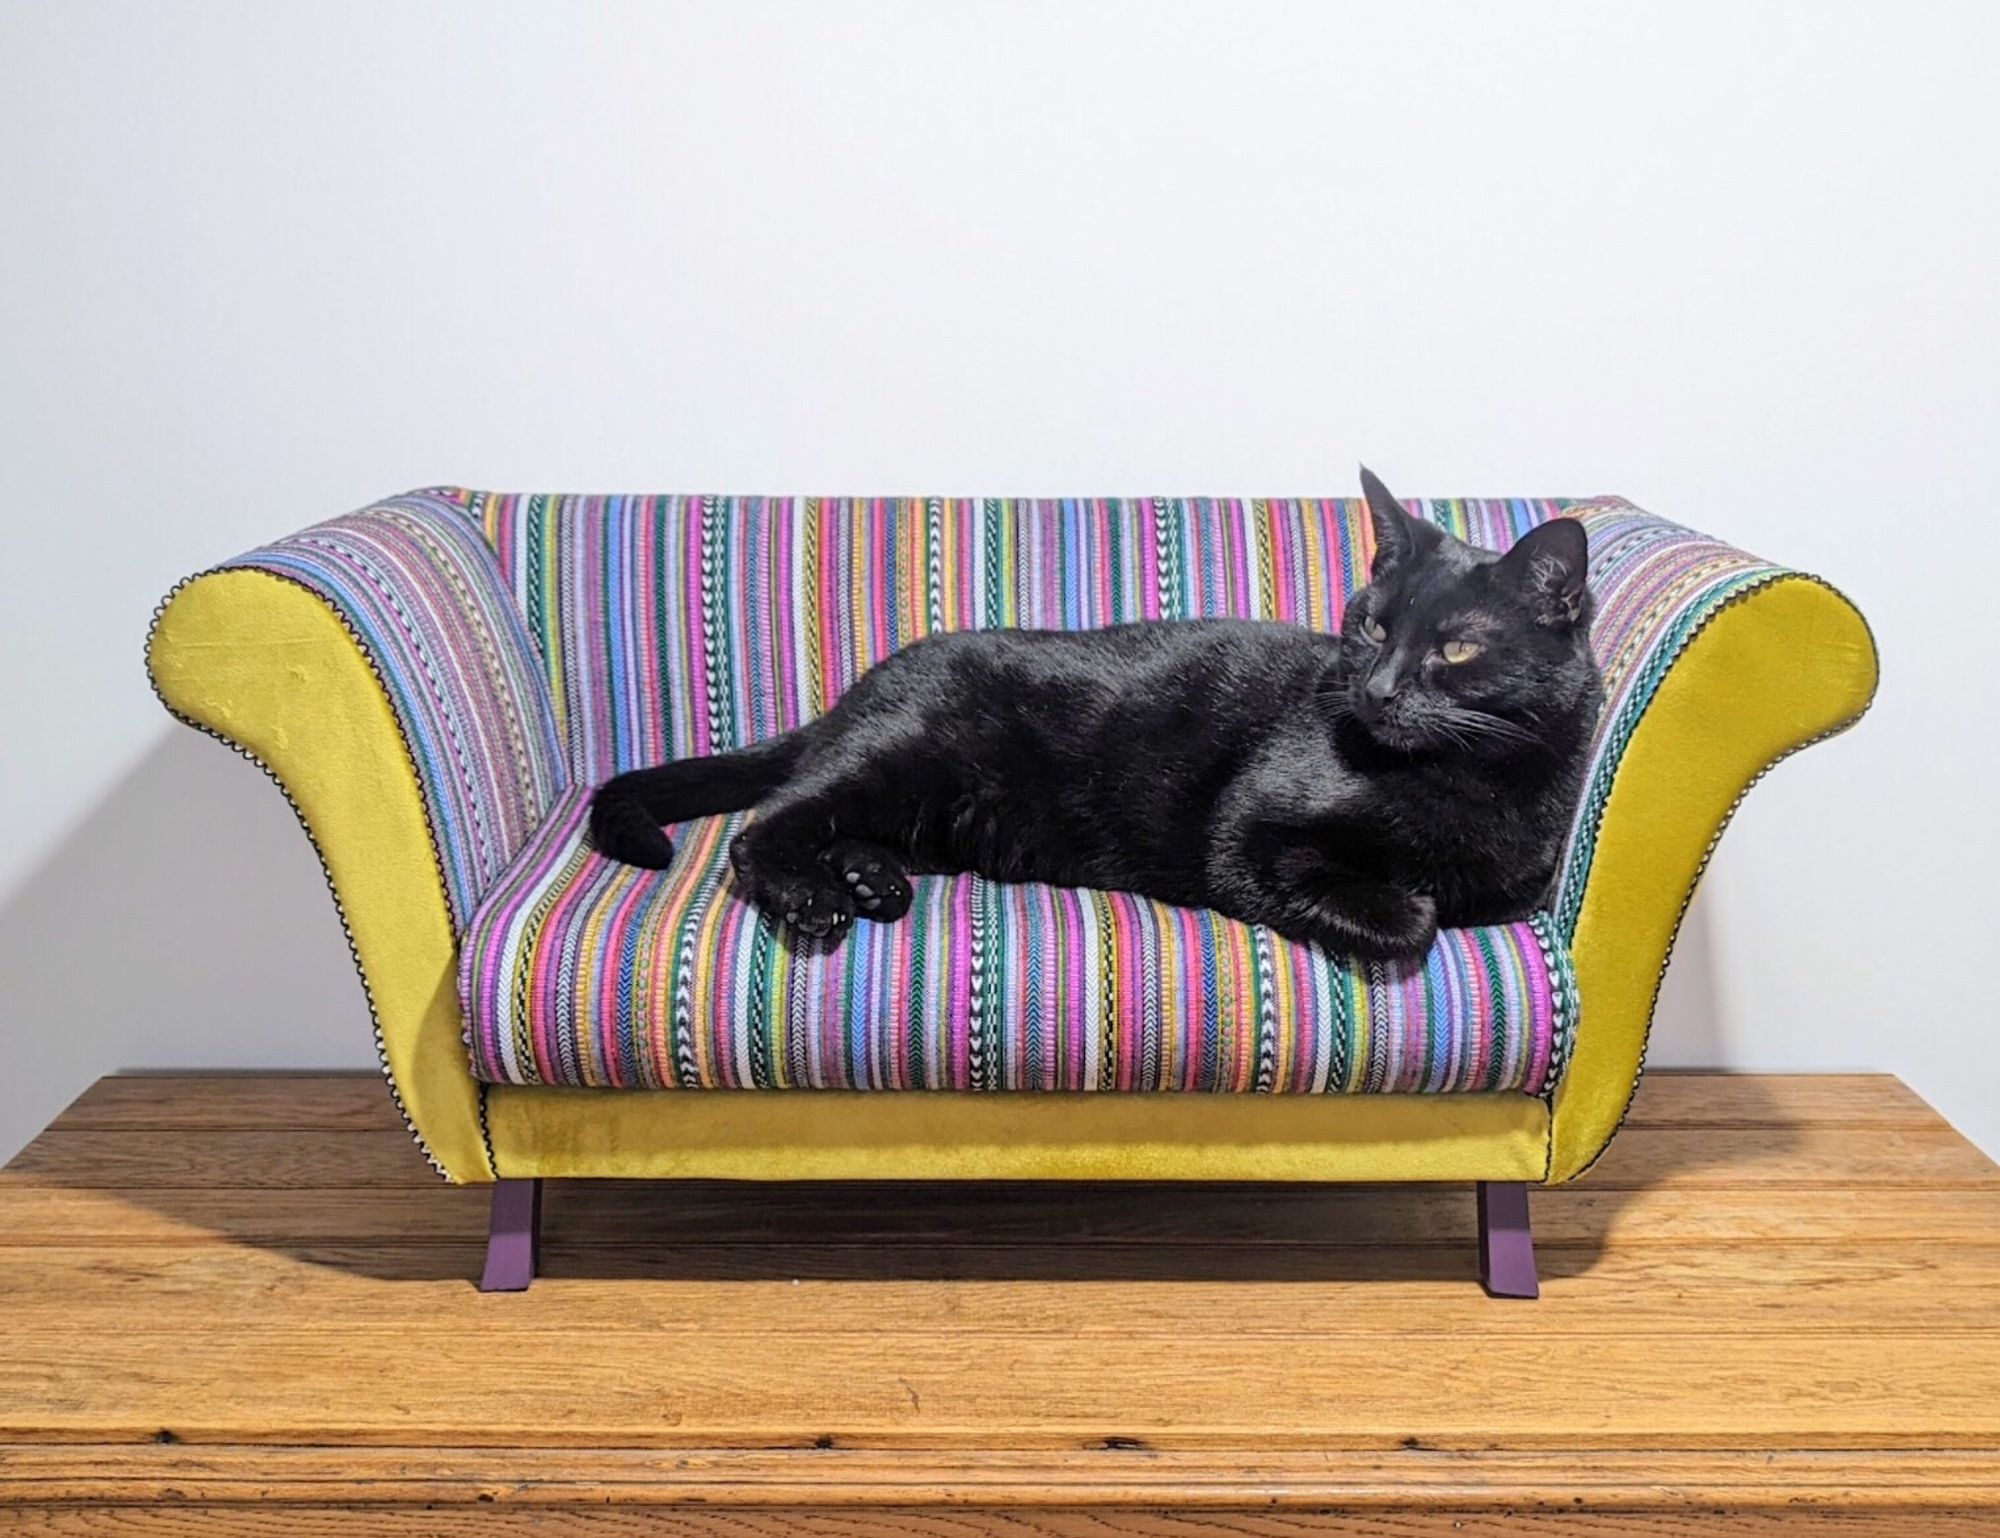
<point x="437" y="683"/>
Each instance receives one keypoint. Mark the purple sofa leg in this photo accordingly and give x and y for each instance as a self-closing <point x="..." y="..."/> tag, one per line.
<point x="1506" y="1247"/>
<point x="514" y="1238"/>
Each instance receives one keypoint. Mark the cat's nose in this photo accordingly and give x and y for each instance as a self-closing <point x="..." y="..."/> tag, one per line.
<point x="1381" y="686"/>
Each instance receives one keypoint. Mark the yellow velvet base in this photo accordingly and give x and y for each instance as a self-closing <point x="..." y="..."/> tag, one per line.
<point x="267" y="665"/>
<point x="812" y="1135"/>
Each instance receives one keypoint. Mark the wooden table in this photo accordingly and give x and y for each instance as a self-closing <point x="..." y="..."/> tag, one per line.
<point x="243" y="1305"/>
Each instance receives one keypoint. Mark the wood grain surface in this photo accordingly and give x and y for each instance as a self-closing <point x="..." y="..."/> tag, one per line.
<point x="242" y="1303"/>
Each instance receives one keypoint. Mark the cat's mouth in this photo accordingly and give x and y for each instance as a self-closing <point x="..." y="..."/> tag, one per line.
<point x="1381" y="727"/>
<point x="1445" y="732"/>
<point x="1405" y="732"/>
<point x="1395" y="735"/>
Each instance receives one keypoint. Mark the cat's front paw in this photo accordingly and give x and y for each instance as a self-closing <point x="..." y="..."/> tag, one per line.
<point x="1386" y="924"/>
<point x="811" y="899"/>
<point x="874" y="875"/>
<point x="809" y="902"/>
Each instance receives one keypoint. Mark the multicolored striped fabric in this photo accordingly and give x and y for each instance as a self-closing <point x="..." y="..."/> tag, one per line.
<point x="675" y="626"/>
<point x="647" y="628"/>
<point x="420" y="590"/>
<point x="1656" y="584"/>
<point x="580" y="971"/>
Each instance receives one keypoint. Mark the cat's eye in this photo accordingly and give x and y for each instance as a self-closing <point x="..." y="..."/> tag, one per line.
<point x="1459" y="651"/>
<point x="1374" y="631"/>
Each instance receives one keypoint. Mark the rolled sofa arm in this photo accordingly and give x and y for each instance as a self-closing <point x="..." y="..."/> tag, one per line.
<point x="376" y="667"/>
<point x="1716" y="666"/>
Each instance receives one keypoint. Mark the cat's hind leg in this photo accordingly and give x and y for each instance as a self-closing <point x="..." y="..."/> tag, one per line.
<point x="873" y="874"/>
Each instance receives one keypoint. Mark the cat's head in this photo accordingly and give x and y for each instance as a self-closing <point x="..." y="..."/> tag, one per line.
<point x="1461" y="651"/>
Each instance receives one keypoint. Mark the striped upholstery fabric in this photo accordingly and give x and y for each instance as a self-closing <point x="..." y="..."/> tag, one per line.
<point x="419" y="589"/>
<point x="675" y="626"/>
<point x="646" y="628"/>
<point x="1656" y="585"/>
<point x="581" y="971"/>
<point x="681" y="625"/>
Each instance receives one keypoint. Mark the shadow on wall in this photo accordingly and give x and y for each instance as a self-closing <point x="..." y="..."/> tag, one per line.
<point x="184" y="924"/>
<point x="1690" y="1028"/>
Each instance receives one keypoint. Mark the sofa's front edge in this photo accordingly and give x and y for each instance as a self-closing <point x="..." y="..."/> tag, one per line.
<point x="1780" y="667"/>
<point x="719" y="1134"/>
<point x="267" y="665"/>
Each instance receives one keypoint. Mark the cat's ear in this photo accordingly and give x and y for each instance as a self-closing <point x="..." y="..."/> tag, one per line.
<point x="1399" y="538"/>
<point x="1548" y="567"/>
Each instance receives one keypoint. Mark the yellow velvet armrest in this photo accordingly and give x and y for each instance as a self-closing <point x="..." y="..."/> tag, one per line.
<point x="1780" y="662"/>
<point x="376" y="669"/>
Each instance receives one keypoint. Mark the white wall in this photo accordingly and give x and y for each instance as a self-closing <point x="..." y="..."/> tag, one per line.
<point x="259" y="264"/>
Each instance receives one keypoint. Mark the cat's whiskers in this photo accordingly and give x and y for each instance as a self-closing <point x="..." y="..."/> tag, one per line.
<point x="1484" y="726"/>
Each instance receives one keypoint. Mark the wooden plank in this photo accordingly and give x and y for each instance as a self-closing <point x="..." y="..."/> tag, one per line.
<point x="1398" y="1479"/>
<point x="1693" y="1158"/>
<point x="281" y="1102"/>
<point x="820" y="1225"/>
<point x="210" y="1158"/>
<point x="1853" y="1101"/>
<point x="1816" y="1289"/>
<point x="1779" y="1309"/>
<point x="956" y="1522"/>
<point x="1656" y="1158"/>
<point x="894" y="1387"/>
<point x="35" y="1214"/>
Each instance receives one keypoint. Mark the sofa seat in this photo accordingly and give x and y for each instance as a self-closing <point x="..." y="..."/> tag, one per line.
<point x="576" y="970"/>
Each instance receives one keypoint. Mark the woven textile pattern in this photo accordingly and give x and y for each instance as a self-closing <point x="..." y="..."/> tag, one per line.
<point x="675" y="626"/>
<point x="417" y="586"/>
<point x="581" y="971"/>
<point x="1656" y="584"/>
<point x="682" y="625"/>
<point x="584" y="635"/>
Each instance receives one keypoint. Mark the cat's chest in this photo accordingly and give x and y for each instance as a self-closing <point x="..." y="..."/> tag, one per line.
<point x="1446" y="822"/>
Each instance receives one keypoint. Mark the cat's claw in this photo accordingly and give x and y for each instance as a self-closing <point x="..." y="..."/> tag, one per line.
<point x="807" y="901"/>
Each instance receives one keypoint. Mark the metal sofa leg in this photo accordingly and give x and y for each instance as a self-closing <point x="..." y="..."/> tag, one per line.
<point x="514" y="1236"/>
<point x="1506" y="1246"/>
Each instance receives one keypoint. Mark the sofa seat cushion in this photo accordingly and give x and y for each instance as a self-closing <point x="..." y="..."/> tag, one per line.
<point x="576" y="970"/>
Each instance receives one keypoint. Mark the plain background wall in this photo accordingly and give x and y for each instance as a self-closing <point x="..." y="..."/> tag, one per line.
<point x="259" y="264"/>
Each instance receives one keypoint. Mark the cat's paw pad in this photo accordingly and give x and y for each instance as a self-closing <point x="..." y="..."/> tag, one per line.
<point x="872" y="875"/>
<point x="809" y="903"/>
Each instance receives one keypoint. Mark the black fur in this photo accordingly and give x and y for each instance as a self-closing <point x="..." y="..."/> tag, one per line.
<point x="1353" y="791"/>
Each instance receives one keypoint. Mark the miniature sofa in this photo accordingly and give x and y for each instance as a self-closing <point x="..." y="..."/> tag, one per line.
<point x="438" y="681"/>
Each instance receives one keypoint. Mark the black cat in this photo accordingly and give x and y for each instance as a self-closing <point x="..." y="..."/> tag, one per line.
<point x="1353" y="791"/>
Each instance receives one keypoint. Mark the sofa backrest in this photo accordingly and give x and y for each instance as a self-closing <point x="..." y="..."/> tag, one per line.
<point x="674" y="626"/>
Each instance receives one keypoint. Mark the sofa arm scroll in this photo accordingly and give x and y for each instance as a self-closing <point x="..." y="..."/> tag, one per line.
<point x="1717" y="666"/>
<point x="377" y="669"/>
